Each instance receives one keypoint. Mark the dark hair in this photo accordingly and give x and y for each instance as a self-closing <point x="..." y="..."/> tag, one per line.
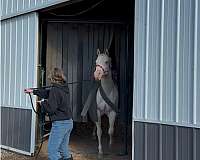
<point x="57" y="76"/>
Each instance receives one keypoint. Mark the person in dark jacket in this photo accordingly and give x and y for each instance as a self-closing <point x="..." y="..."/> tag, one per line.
<point x="57" y="106"/>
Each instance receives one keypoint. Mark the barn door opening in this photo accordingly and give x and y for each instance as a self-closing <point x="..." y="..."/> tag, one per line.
<point x="73" y="48"/>
<point x="71" y="44"/>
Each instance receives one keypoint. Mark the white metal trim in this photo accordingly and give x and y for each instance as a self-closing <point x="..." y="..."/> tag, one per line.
<point x="4" y="88"/>
<point x="21" y="62"/>
<point x="15" y="150"/>
<point x="36" y="52"/>
<point x="195" y="65"/>
<point x="28" y="50"/>
<point x="177" y="61"/>
<point x="15" y="90"/>
<point x="147" y="60"/>
<point x="168" y="123"/>
<point x="10" y="64"/>
<point x="161" y="60"/>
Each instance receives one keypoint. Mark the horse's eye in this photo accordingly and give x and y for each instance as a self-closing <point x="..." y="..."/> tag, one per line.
<point x="106" y="62"/>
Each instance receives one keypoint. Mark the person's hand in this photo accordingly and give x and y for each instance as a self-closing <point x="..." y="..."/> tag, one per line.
<point x="39" y="102"/>
<point x="28" y="90"/>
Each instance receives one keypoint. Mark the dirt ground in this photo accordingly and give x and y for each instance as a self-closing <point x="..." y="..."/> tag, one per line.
<point x="83" y="147"/>
<point x="81" y="150"/>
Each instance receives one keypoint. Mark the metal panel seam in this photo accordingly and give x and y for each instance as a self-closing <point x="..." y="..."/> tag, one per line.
<point x="195" y="64"/>
<point x="15" y="90"/>
<point x="161" y="59"/>
<point x="4" y="88"/>
<point x="10" y="62"/>
<point x="177" y="61"/>
<point x="21" y="73"/>
<point x="27" y="63"/>
<point x="147" y="60"/>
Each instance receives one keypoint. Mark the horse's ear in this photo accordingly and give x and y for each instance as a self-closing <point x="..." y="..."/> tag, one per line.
<point x="107" y="52"/>
<point x="98" y="51"/>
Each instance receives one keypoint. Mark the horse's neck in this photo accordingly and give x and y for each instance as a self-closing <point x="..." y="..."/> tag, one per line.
<point x="107" y="84"/>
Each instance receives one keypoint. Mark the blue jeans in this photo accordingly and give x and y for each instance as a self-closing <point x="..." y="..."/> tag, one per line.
<point x="58" y="144"/>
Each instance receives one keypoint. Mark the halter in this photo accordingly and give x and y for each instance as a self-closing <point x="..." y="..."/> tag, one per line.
<point x="100" y="66"/>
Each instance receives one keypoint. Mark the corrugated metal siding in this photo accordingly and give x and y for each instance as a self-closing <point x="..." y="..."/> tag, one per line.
<point x="15" y="128"/>
<point x="165" y="142"/>
<point x="18" y="59"/>
<point x="19" y="39"/>
<point x="166" y="62"/>
<point x="11" y="8"/>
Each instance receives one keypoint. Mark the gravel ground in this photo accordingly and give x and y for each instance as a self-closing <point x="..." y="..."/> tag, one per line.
<point x="7" y="155"/>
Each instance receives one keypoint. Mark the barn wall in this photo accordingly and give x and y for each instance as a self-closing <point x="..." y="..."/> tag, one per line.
<point x="165" y="142"/>
<point x="167" y="62"/>
<point x="15" y="128"/>
<point x="19" y="49"/>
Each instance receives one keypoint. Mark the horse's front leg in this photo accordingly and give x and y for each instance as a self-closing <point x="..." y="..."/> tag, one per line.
<point x="111" y="117"/>
<point x="99" y="132"/>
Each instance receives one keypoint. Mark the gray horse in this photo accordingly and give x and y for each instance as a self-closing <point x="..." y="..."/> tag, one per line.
<point x="104" y="74"/>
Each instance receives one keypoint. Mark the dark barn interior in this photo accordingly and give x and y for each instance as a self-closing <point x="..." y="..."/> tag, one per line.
<point x="70" y="35"/>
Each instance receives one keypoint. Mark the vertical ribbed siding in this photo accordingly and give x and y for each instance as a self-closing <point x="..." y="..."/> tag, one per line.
<point x="178" y="143"/>
<point x="139" y="56"/>
<point x="18" y="61"/>
<point x="19" y="39"/>
<point x="166" y="72"/>
<point x="15" y="128"/>
<point x="186" y="61"/>
<point x="11" y="8"/>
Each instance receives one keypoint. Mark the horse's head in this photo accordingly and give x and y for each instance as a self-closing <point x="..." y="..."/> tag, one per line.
<point x="103" y="65"/>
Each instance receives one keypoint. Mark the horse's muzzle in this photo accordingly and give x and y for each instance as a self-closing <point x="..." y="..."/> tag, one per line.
<point x="98" y="74"/>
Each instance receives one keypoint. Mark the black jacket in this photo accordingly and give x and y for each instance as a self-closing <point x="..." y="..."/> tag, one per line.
<point x="57" y="104"/>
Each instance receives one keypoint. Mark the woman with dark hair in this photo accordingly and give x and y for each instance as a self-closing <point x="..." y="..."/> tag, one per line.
<point x="57" y="106"/>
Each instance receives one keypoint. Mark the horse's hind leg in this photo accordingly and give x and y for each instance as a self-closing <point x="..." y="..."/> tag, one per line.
<point x="99" y="133"/>
<point x="111" y="117"/>
<point x="94" y="131"/>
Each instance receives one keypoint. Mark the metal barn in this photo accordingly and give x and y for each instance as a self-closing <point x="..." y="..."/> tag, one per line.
<point x="161" y="87"/>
